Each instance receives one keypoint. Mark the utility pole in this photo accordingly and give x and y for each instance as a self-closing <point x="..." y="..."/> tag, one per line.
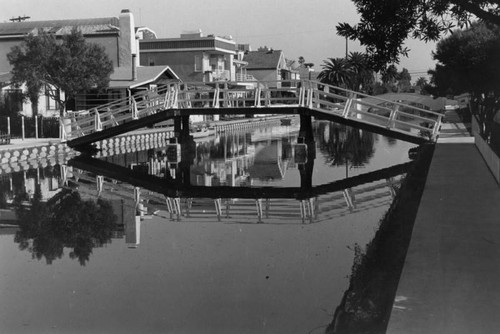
<point x="19" y="18"/>
<point x="346" y="47"/>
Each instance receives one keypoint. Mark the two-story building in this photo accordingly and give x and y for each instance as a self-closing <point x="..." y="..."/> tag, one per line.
<point x="193" y="56"/>
<point x="269" y="66"/>
<point x="118" y="35"/>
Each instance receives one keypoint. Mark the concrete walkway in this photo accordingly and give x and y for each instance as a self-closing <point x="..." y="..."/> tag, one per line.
<point x="451" y="278"/>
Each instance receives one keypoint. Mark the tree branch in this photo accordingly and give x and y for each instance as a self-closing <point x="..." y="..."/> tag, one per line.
<point x="478" y="11"/>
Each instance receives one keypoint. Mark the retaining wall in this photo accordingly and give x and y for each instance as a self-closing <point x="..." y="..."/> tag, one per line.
<point x="489" y="156"/>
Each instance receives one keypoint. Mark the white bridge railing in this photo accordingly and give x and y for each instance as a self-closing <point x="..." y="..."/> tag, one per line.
<point x="396" y="116"/>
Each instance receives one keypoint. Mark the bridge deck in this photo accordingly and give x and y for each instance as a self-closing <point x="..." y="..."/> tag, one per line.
<point x="305" y="97"/>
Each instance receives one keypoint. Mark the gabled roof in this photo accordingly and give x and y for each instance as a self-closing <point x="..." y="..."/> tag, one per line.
<point x="59" y="27"/>
<point x="5" y="79"/>
<point x="260" y="60"/>
<point x="122" y="76"/>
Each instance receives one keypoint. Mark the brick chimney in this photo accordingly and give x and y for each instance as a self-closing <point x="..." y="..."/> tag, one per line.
<point x="127" y="44"/>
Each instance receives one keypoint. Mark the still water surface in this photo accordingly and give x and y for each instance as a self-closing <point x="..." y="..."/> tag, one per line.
<point x="198" y="261"/>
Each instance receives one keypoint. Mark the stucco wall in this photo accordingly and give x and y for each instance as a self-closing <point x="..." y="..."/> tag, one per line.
<point x="264" y="75"/>
<point x="110" y="43"/>
<point x="5" y="46"/>
<point x="181" y="62"/>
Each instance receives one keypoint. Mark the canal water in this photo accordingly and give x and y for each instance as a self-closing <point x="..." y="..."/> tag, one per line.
<point x="240" y="232"/>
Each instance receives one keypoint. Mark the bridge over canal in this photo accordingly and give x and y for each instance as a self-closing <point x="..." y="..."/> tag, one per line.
<point x="178" y="101"/>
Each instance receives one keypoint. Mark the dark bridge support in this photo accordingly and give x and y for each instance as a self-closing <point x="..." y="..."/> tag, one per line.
<point x="181" y="128"/>
<point x="305" y="153"/>
<point x="305" y="131"/>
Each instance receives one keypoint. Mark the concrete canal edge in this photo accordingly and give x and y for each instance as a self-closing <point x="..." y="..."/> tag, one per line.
<point x="367" y="304"/>
<point x="449" y="282"/>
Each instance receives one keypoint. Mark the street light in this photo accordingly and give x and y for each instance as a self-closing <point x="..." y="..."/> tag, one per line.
<point x="309" y="68"/>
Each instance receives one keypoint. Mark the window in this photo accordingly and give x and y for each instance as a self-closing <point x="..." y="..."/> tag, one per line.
<point x="198" y="64"/>
<point x="151" y="61"/>
<point x="13" y="100"/>
<point x="50" y="103"/>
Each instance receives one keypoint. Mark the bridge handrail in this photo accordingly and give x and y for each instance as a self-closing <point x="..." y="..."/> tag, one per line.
<point x="228" y="94"/>
<point x="375" y="97"/>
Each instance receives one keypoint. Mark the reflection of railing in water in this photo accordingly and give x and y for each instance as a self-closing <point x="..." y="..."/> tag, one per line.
<point x="311" y="205"/>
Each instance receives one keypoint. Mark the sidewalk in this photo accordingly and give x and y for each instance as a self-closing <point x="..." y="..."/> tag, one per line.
<point x="451" y="278"/>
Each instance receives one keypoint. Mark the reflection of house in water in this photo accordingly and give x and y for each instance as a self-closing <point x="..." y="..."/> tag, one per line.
<point x="268" y="161"/>
<point x="27" y="181"/>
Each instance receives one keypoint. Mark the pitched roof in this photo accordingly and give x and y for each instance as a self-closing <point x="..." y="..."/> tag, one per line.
<point x="122" y="76"/>
<point x="59" y="27"/>
<point x="5" y="79"/>
<point x="258" y="60"/>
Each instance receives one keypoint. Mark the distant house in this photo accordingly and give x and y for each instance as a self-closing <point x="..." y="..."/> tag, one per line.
<point x="194" y="56"/>
<point x="124" y="82"/>
<point x="118" y="35"/>
<point x="270" y="66"/>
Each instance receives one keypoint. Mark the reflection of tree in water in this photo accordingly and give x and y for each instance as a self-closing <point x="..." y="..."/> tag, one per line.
<point x="65" y="221"/>
<point x="342" y="144"/>
<point x="229" y="144"/>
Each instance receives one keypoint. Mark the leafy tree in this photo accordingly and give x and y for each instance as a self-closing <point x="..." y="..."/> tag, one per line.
<point x="390" y="75"/>
<point x="70" y="65"/>
<point x="469" y="61"/>
<point x="404" y="81"/>
<point x="385" y="24"/>
<point x="421" y="82"/>
<point x="423" y="85"/>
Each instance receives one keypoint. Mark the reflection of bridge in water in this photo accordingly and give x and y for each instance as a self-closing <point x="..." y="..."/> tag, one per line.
<point x="308" y="98"/>
<point x="236" y="204"/>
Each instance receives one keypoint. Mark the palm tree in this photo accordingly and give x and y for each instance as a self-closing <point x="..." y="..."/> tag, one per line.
<point x="390" y="74"/>
<point x="362" y="72"/>
<point x="336" y="72"/>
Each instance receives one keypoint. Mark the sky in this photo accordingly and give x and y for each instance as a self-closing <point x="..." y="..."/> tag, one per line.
<point x="298" y="27"/>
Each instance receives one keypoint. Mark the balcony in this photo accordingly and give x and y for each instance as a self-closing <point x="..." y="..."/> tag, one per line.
<point x="245" y="77"/>
<point x="221" y="75"/>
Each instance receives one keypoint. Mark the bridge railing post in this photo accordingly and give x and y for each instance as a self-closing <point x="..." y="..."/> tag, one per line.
<point x="137" y="197"/>
<point x="135" y="111"/>
<point x="437" y="127"/>
<point x="97" y="120"/>
<point x="347" y="106"/>
<point x="62" y="129"/>
<point x="175" y="97"/>
<point x="99" y="184"/>
<point x="225" y="96"/>
<point x="392" y="116"/>
<point x="267" y="98"/>
<point x="216" y="96"/>
<point x="167" y="98"/>
<point x="302" y="94"/>
<point x="257" y="97"/>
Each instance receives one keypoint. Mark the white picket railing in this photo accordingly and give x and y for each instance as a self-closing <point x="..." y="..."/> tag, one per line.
<point x="313" y="95"/>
